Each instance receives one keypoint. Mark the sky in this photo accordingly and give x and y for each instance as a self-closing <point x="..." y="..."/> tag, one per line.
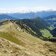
<point x="12" y="6"/>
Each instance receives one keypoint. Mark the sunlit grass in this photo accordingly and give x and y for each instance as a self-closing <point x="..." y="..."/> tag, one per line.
<point x="11" y="38"/>
<point x="46" y="33"/>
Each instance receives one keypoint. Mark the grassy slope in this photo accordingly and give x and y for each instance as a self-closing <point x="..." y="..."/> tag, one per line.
<point x="46" y="34"/>
<point x="33" y="45"/>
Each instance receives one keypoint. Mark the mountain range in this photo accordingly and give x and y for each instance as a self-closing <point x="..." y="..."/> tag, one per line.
<point x="49" y="16"/>
<point x="36" y="21"/>
<point x="33" y="36"/>
<point x="41" y="14"/>
<point x="16" y="40"/>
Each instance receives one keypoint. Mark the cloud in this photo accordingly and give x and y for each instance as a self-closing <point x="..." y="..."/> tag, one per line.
<point x="23" y="9"/>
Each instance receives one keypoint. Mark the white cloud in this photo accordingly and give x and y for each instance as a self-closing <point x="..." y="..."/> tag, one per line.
<point x="23" y="9"/>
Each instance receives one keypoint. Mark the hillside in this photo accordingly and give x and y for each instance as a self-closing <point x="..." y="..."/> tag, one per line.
<point x="37" y="27"/>
<point x="15" y="41"/>
<point x="51" y="20"/>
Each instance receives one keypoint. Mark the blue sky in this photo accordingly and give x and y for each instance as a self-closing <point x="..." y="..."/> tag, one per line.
<point x="26" y="5"/>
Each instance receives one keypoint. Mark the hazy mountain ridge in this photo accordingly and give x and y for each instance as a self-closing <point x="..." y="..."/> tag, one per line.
<point x="46" y="15"/>
<point x="6" y="17"/>
<point x="41" y="14"/>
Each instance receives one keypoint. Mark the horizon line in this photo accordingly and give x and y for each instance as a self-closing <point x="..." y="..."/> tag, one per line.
<point x="27" y="11"/>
